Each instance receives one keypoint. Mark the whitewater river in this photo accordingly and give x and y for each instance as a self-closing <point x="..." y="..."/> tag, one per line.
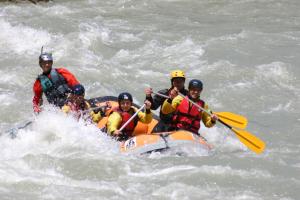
<point x="246" y="52"/>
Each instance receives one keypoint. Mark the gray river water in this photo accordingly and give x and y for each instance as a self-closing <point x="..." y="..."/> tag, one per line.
<point x="246" y="52"/>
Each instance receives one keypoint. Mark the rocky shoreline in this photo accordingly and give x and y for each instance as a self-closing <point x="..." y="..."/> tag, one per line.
<point x="22" y="1"/>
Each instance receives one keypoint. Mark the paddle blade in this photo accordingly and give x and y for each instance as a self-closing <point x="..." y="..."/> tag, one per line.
<point x="251" y="141"/>
<point x="14" y="131"/>
<point x="232" y="119"/>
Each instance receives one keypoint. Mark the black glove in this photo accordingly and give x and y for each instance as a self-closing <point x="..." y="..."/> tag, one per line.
<point x="101" y="110"/>
<point x="122" y="137"/>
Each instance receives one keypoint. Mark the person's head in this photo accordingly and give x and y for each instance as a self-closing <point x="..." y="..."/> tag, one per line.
<point x="195" y="88"/>
<point x="125" y="101"/>
<point x="177" y="79"/>
<point x="77" y="94"/>
<point x="46" y="62"/>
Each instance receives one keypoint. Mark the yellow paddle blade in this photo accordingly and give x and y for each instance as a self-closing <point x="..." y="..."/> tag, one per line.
<point x="232" y="119"/>
<point x="251" y="141"/>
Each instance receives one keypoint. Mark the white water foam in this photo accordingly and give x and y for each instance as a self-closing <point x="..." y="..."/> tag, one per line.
<point x="275" y="72"/>
<point x="56" y="134"/>
<point x="222" y="139"/>
<point x="229" y="171"/>
<point x="163" y="172"/>
<point x="20" y="39"/>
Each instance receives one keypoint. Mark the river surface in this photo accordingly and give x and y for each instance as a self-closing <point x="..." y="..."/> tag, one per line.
<point x="246" y="53"/>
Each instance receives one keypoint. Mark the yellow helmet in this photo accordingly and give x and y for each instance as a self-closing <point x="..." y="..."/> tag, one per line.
<point x="177" y="74"/>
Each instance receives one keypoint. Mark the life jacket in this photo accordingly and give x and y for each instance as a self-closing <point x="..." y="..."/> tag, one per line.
<point x="167" y="118"/>
<point x="77" y="109"/>
<point x="55" y="88"/>
<point x="188" y="117"/>
<point x="128" y="130"/>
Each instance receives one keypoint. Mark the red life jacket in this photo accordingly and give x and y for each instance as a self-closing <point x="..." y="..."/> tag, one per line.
<point x="186" y="117"/>
<point x="128" y="130"/>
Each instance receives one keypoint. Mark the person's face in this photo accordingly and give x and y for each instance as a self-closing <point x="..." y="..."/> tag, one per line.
<point x="178" y="83"/>
<point x="46" y="66"/>
<point x="77" y="99"/>
<point x="125" y="105"/>
<point x="194" y="92"/>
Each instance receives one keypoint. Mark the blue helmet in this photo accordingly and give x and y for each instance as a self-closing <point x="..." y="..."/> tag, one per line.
<point x="78" y="90"/>
<point x="195" y="83"/>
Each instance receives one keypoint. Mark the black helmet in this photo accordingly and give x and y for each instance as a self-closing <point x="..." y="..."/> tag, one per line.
<point x="125" y="96"/>
<point x="195" y="83"/>
<point x="78" y="90"/>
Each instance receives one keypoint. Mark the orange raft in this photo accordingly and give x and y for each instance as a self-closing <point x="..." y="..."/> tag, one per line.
<point x="145" y="141"/>
<point x="174" y="141"/>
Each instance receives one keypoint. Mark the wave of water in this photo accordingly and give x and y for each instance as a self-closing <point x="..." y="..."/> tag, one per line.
<point x="245" y="52"/>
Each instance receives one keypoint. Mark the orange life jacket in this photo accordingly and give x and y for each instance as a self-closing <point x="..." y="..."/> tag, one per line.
<point x="188" y="117"/>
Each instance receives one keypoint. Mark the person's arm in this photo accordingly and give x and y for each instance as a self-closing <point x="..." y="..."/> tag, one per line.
<point x="148" y="92"/>
<point x="113" y="122"/>
<point x="37" y="98"/>
<point x="170" y="106"/>
<point x="70" y="78"/>
<point x="96" y="114"/>
<point x="157" y="101"/>
<point x="207" y="120"/>
<point x="96" y="117"/>
<point x="145" y="117"/>
<point x="66" y="108"/>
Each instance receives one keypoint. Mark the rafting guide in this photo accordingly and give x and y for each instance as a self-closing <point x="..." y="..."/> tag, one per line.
<point x="55" y="83"/>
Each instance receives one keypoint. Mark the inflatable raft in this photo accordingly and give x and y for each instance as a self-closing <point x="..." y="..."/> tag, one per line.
<point x="145" y="141"/>
<point x="140" y="128"/>
<point x="174" y="141"/>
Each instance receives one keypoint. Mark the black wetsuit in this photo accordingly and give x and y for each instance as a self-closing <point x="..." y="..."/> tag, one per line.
<point x="165" y="119"/>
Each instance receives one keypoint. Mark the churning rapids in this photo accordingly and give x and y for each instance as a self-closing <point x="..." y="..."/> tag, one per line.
<point x="246" y="53"/>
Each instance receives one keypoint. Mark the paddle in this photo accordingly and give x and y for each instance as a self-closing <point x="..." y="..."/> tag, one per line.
<point x="13" y="131"/>
<point x="94" y="108"/>
<point x="232" y="119"/>
<point x="132" y="117"/>
<point x="251" y="141"/>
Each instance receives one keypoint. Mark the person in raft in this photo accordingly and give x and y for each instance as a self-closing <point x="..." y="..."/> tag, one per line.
<point x="187" y="116"/>
<point x="177" y="84"/>
<point x="123" y="113"/>
<point x="56" y="83"/>
<point x="78" y="105"/>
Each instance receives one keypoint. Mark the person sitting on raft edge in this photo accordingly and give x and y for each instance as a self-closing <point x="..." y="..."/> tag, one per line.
<point x="186" y="115"/>
<point x="78" y="105"/>
<point x="123" y="113"/>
